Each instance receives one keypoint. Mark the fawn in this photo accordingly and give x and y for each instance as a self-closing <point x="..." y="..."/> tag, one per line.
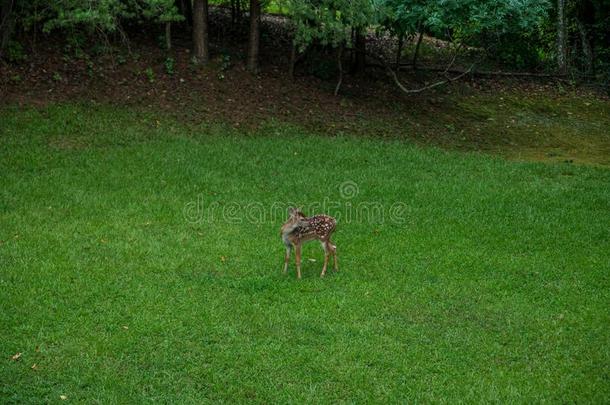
<point x="300" y="228"/>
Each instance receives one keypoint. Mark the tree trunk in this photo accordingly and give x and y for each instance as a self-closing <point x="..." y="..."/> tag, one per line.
<point x="416" y="53"/>
<point x="562" y="51"/>
<point x="254" y="41"/>
<point x="188" y="12"/>
<point x="293" y="61"/>
<point x="168" y="35"/>
<point x="360" y="44"/>
<point x="201" y="52"/>
<point x="233" y="12"/>
<point x="586" y="47"/>
<point x="6" y="24"/>
<point x="186" y="9"/>
<point x="401" y="44"/>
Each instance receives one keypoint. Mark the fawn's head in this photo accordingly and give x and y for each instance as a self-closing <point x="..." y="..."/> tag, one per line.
<point x="295" y="214"/>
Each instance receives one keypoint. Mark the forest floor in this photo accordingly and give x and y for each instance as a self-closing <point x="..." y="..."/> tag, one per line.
<point x="526" y="119"/>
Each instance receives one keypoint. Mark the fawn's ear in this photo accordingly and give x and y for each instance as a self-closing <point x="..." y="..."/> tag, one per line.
<point x="294" y="212"/>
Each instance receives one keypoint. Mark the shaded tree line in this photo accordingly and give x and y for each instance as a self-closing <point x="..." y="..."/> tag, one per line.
<point x="572" y="35"/>
<point x="107" y="18"/>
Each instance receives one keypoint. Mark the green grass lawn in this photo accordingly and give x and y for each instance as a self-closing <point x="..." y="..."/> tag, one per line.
<point x="492" y="286"/>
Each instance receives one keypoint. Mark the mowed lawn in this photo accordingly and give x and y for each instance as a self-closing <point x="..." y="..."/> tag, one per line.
<point x="492" y="283"/>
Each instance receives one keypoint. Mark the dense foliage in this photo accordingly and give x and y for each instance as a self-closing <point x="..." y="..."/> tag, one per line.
<point x="330" y="21"/>
<point x="92" y="15"/>
<point x="491" y="24"/>
<point x="520" y="33"/>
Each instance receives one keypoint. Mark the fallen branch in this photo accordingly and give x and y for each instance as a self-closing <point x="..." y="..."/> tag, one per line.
<point x="428" y="87"/>
<point x="474" y="72"/>
<point x="496" y="73"/>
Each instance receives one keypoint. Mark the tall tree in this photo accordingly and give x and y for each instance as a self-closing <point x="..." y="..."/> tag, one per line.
<point x="562" y="51"/>
<point x="6" y="23"/>
<point x="254" y="41"/>
<point x="201" y="52"/>
<point x="360" y="46"/>
<point x="585" y="21"/>
<point x="185" y="7"/>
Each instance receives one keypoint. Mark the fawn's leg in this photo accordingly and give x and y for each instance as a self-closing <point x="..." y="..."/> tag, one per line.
<point x="326" y="247"/>
<point x="333" y="249"/>
<point x="286" y="259"/>
<point x="298" y="256"/>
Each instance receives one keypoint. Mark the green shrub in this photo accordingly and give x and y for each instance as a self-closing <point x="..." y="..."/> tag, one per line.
<point x="170" y="65"/>
<point x="150" y="74"/>
<point x="15" y="52"/>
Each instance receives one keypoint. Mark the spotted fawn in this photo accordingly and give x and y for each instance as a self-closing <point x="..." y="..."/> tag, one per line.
<point x="300" y="228"/>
